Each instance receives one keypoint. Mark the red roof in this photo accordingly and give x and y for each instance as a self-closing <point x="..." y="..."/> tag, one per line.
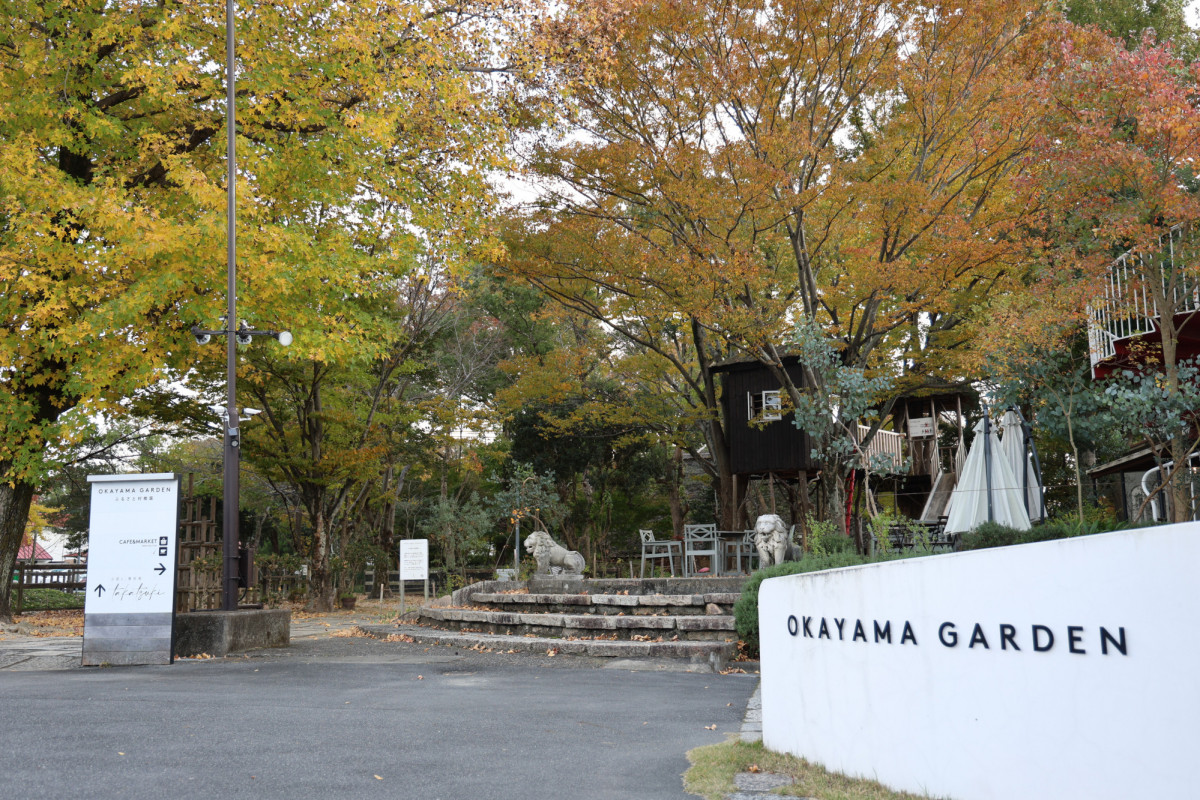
<point x="39" y="555"/>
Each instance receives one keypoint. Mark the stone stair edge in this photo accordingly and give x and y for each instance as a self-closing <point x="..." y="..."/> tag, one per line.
<point x="594" y="647"/>
<point x="726" y="598"/>
<point x="588" y="621"/>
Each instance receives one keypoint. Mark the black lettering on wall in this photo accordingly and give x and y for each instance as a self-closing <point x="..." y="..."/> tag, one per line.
<point x="823" y="633"/>
<point x="1106" y="637"/>
<point x="977" y="637"/>
<point x="884" y="633"/>
<point x="947" y="634"/>
<point x="1074" y="637"/>
<point x="1008" y="635"/>
<point x="908" y="634"/>
<point x="841" y="623"/>
<point x="859" y="633"/>
<point x="1037" y="645"/>
<point x="808" y="630"/>
<point x="793" y="626"/>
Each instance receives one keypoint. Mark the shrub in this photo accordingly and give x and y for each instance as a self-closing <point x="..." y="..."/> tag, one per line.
<point x="49" y="599"/>
<point x="745" y="611"/>
<point x="992" y="534"/>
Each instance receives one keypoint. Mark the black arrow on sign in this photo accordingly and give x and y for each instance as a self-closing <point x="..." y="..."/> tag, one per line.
<point x="100" y="590"/>
<point x="160" y="569"/>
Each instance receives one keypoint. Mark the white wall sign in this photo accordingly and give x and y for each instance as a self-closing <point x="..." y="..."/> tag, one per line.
<point x="129" y="610"/>
<point x="921" y="428"/>
<point x="414" y="559"/>
<point x="1051" y="670"/>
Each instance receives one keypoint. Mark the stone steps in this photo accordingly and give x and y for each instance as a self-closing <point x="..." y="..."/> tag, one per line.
<point x="638" y="604"/>
<point x="689" y="626"/>
<point x="693" y="656"/>
<point x="664" y="618"/>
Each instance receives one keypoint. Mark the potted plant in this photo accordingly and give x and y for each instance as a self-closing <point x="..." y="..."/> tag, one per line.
<point x="348" y="599"/>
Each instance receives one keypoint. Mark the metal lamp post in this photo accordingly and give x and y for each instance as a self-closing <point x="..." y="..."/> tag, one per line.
<point x="234" y="334"/>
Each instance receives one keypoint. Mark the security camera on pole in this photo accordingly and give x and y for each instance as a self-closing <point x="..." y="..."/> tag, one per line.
<point x="242" y="334"/>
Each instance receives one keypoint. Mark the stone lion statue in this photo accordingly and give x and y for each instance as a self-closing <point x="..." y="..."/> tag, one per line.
<point x="549" y="553"/>
<point x="773" y="542"/>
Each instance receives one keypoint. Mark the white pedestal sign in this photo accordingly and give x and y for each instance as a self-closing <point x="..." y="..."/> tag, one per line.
<point x="414" y="559"/>
<point x="129" y="613"/>
<point x="414" y="564"/>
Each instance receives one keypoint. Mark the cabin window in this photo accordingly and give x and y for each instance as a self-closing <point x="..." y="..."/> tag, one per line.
<point x="764" y="406"/>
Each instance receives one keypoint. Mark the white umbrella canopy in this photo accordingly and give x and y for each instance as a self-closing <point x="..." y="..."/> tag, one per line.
<point x="969" y="503"/>
<point x="1012" y="442"/>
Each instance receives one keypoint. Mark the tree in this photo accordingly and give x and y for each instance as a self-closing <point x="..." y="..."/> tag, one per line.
<point x="1121" y="181"/>
<point x="112" y="173"/>
<point x="739" y="165"/>
<point x="1131" y="20"/>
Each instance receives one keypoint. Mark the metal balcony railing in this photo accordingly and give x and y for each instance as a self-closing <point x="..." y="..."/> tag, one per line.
<point x="1127" y="307"/>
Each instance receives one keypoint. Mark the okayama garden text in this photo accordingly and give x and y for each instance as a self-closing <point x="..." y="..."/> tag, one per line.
<point x="1035" y="638"/>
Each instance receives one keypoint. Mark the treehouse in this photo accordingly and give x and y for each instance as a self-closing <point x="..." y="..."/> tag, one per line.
<point x="765" y="444"/>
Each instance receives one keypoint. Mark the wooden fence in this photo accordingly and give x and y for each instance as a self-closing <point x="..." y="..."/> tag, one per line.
<point x="66" y="577"/>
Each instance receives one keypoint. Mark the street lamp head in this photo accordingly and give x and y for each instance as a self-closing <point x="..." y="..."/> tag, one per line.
<point x="202" y="337"/>
<point x="284" y="337"/>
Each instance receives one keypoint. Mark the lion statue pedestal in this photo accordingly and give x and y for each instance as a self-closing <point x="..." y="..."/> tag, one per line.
<point x="559" y="570"/>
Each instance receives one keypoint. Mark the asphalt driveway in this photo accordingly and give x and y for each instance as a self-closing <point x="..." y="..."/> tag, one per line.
<point x="361" y="718"/>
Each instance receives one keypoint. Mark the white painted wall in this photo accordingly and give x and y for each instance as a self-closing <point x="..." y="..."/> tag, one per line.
<point x="975" y="723"/>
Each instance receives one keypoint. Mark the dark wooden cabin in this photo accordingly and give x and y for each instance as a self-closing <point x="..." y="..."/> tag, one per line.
<point x="763" y="438"/>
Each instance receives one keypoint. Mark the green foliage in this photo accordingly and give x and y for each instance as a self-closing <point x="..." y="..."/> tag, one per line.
<point x="459" y="528"/>
<point x="745" y="611"/>
<point x="49" y="599"/>
<point x="993" y="534"/>
<point x="1130" y="20"/>
<point x="842" y="397"/>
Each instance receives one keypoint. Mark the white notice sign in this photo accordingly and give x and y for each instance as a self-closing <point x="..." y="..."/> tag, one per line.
<point x="414" y="559"/>
<point x="129" y="610"/>
<point x="921" y="428"/>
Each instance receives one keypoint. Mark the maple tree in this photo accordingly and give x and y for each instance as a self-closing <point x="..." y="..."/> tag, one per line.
<point x="739" y="165"/>
<point x="1120" y="179"/>
<point x="367" y="135"/>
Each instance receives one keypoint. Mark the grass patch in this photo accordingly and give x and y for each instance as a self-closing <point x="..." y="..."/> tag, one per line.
<point x="49" y="600"/>
<point x="714" y="765"/>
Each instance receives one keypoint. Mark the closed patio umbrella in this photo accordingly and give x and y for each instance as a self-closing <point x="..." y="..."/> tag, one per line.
<point x="1013" y="443"/>
<point x="987" y="489"/>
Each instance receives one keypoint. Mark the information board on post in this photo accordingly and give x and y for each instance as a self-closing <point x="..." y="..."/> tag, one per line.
<point x="414" y="564"/>
<point x="129" y="610"/>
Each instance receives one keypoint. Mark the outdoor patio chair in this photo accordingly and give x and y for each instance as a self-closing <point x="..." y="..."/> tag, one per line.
<point x="734" y="550"/>
<point x="659" y="548"/>
<point x="701" y="540"/>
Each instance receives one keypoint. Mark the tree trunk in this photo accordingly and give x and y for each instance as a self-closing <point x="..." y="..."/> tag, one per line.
<point x="675" y="493"/>
<point x="833" y="495"/>
<point x="14" y="514"/>
<point x="320" y="580"/>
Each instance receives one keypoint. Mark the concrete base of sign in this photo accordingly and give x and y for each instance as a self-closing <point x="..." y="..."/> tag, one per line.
<point x="219" y="633"/>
